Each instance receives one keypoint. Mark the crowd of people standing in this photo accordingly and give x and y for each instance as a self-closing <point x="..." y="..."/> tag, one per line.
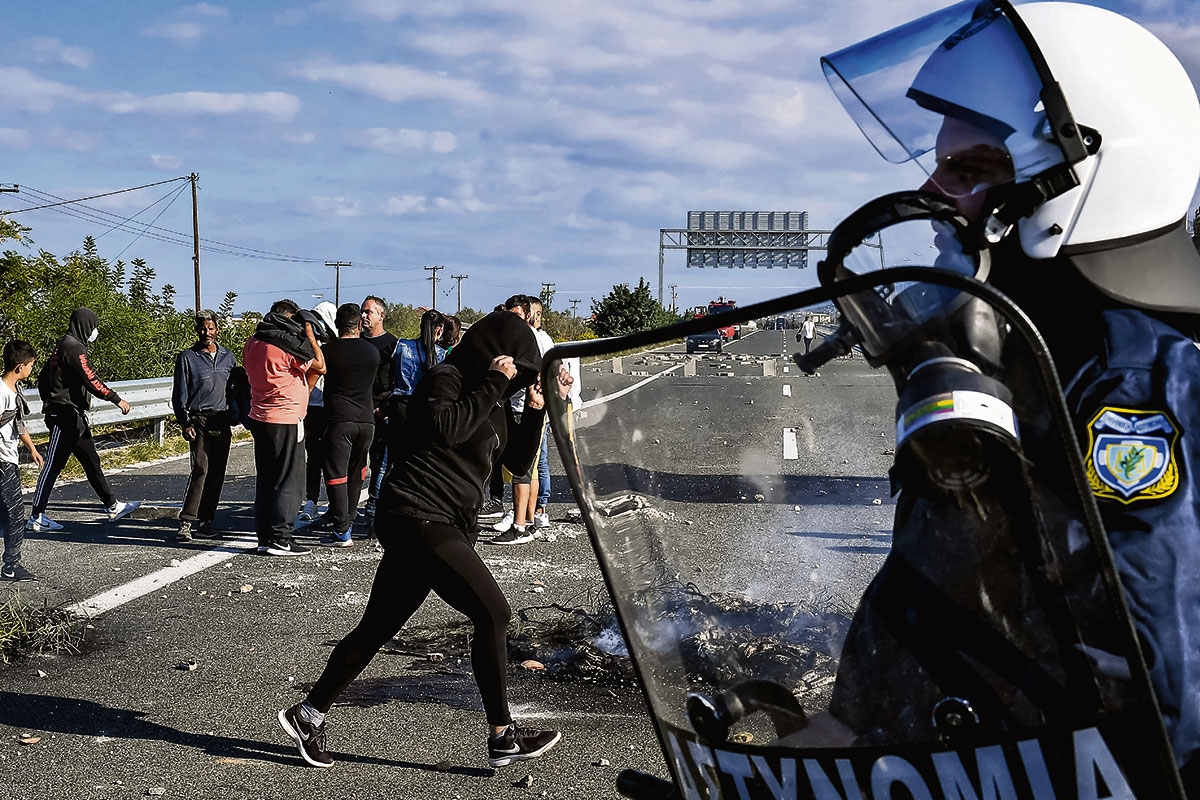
<point x="331" y="397"/>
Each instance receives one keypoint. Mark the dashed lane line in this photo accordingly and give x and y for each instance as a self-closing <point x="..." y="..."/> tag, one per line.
<point x="790" y="451"/>
<point x="119" y="596"/>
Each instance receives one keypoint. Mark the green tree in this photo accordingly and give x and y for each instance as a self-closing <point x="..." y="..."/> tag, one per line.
<point x="566" y="328"/>
<point x="625" y="310"/>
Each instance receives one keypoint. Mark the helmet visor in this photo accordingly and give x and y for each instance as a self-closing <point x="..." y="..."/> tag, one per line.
<point x="956" y="91"/>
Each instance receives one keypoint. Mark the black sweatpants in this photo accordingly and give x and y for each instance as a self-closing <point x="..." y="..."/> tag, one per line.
<point x="314" y="451"/>
<point x="70" y="435"/>
<point x="209" y="453"/>
<point x="347" y="447"/>
<point x="419" y="557"/>
<point x="279" y="484"/>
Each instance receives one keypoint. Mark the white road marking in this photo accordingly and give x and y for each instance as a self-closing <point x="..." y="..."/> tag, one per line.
<point x="790" y="451"/>
<point x="599" y="401"/>
<point x="787" y="390"/>
<point x="120" y="595"/>
<point x="786" y="370"/>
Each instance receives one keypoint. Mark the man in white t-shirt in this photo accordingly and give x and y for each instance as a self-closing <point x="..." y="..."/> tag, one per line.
<point x="807" y="331"/>
<point x="513" y="527"/>
<point x="19" y="358"/>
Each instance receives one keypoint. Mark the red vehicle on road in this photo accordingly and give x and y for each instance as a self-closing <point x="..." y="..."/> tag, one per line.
<point x="720" y="306"/>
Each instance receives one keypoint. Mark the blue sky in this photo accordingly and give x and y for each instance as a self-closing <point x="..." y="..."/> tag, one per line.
<point x="516" y="143"/>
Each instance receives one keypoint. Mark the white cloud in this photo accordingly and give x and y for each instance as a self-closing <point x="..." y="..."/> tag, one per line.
<point x="405" y="204"/>
<point x="179" y="32"/>
<point x="75" y="141"/>
<point x="387" y="10"/>
<point x="48" y="50"/>
<point x="207" y="10"/>
<point x="14" y="138"/>
<point x="394" y="141"/>
<point x="334" y="207"/>
<point x="394" y="83"/>
<point x="280" y="105"/>
<point x="22" y="89"/>
<point x="171" y="163"/>
<point x="307" y="137"/>
<point x="187" y="25"/>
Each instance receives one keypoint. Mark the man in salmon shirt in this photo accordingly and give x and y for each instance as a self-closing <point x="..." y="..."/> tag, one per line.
<point x="282" y="361"/>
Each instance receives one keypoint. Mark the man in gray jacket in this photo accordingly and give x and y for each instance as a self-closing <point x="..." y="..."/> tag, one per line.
<point x="202" y="409"/>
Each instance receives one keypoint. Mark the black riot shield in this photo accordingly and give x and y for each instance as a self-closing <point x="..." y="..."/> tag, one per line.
<point x="871" y="577"/>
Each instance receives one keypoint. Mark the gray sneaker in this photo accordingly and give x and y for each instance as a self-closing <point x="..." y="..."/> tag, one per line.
<point x="184" y="534"/>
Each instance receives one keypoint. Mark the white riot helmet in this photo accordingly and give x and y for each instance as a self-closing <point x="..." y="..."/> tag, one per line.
<point x="1094" y="118"/>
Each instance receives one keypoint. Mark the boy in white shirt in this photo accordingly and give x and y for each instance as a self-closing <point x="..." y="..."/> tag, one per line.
<point x="19" y="357"/>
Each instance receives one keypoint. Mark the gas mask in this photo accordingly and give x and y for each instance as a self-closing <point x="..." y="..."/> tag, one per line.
<point x="943" y="348"/>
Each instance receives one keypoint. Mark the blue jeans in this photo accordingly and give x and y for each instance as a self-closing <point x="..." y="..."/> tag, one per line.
<point x="378" y="461"/>
<point x="544" y="471"/>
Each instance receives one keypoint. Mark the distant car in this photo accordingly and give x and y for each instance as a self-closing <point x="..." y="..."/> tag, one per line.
<point x="710" y="341"/>
<point x="780" y="323"/>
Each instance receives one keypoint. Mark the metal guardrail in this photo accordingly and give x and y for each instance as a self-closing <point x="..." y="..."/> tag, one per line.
<point x="149" y="399"/>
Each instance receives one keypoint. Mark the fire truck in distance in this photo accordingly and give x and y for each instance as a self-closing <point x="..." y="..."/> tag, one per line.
<point x="720" y="306"/>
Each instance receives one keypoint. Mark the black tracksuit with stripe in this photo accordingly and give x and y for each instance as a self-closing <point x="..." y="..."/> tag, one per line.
<point x="66" y="384"/>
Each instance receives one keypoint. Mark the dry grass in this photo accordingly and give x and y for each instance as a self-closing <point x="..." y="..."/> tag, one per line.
<point x="27" y="629"/>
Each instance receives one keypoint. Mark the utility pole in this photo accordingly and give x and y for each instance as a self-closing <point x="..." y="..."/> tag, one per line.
<point x="460" y="279"/>
<point x="433" y="278"/>
<point x="674" y="295"/>
<point x="337" y="281"/>
<point x="195" y="239"/>
<point x="574" y="303"/>
<point x="13" y="188"/>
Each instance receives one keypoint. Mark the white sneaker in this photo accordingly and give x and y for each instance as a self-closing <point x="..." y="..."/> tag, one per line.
<point x="308" y="511"/>
<point x="121" y="510"/>
<point x="505" y="523"/>
<point x="41" y="523"/>
<point x="541" y="520"/>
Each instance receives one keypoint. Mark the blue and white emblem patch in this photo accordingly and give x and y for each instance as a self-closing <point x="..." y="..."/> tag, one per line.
<point x="1131" y="455"/>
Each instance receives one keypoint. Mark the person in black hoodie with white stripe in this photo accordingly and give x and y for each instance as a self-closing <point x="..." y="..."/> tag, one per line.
<point x="66" y="385"/>
<point x="458" y="417"/>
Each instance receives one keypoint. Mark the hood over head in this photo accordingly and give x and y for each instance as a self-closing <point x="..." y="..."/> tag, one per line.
<point x="83" y="322"/>
<point x="501" y="333"/>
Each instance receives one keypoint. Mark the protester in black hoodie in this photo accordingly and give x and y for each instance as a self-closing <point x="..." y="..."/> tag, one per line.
<point x="458" y="417"/>
<point x="66" y="384"/>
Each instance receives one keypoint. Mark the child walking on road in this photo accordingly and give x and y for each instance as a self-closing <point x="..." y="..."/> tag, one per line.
<point x="18" y="365"/>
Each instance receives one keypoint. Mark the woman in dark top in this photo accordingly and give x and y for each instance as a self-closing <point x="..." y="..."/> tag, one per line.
<point x="458" y="417"/>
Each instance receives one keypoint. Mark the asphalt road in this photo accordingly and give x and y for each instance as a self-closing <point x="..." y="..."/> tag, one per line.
<point x="122" y="720"/>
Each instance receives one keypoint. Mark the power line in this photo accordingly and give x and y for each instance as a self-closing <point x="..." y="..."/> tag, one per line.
<point x="93" y="197"/>
<point x="91" y="214"/>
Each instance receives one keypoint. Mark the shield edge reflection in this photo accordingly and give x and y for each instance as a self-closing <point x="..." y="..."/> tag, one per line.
<point x="560" y="417"/>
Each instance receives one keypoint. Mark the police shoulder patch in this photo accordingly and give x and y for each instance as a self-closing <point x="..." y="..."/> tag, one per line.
<point x="1131" y="455"/>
